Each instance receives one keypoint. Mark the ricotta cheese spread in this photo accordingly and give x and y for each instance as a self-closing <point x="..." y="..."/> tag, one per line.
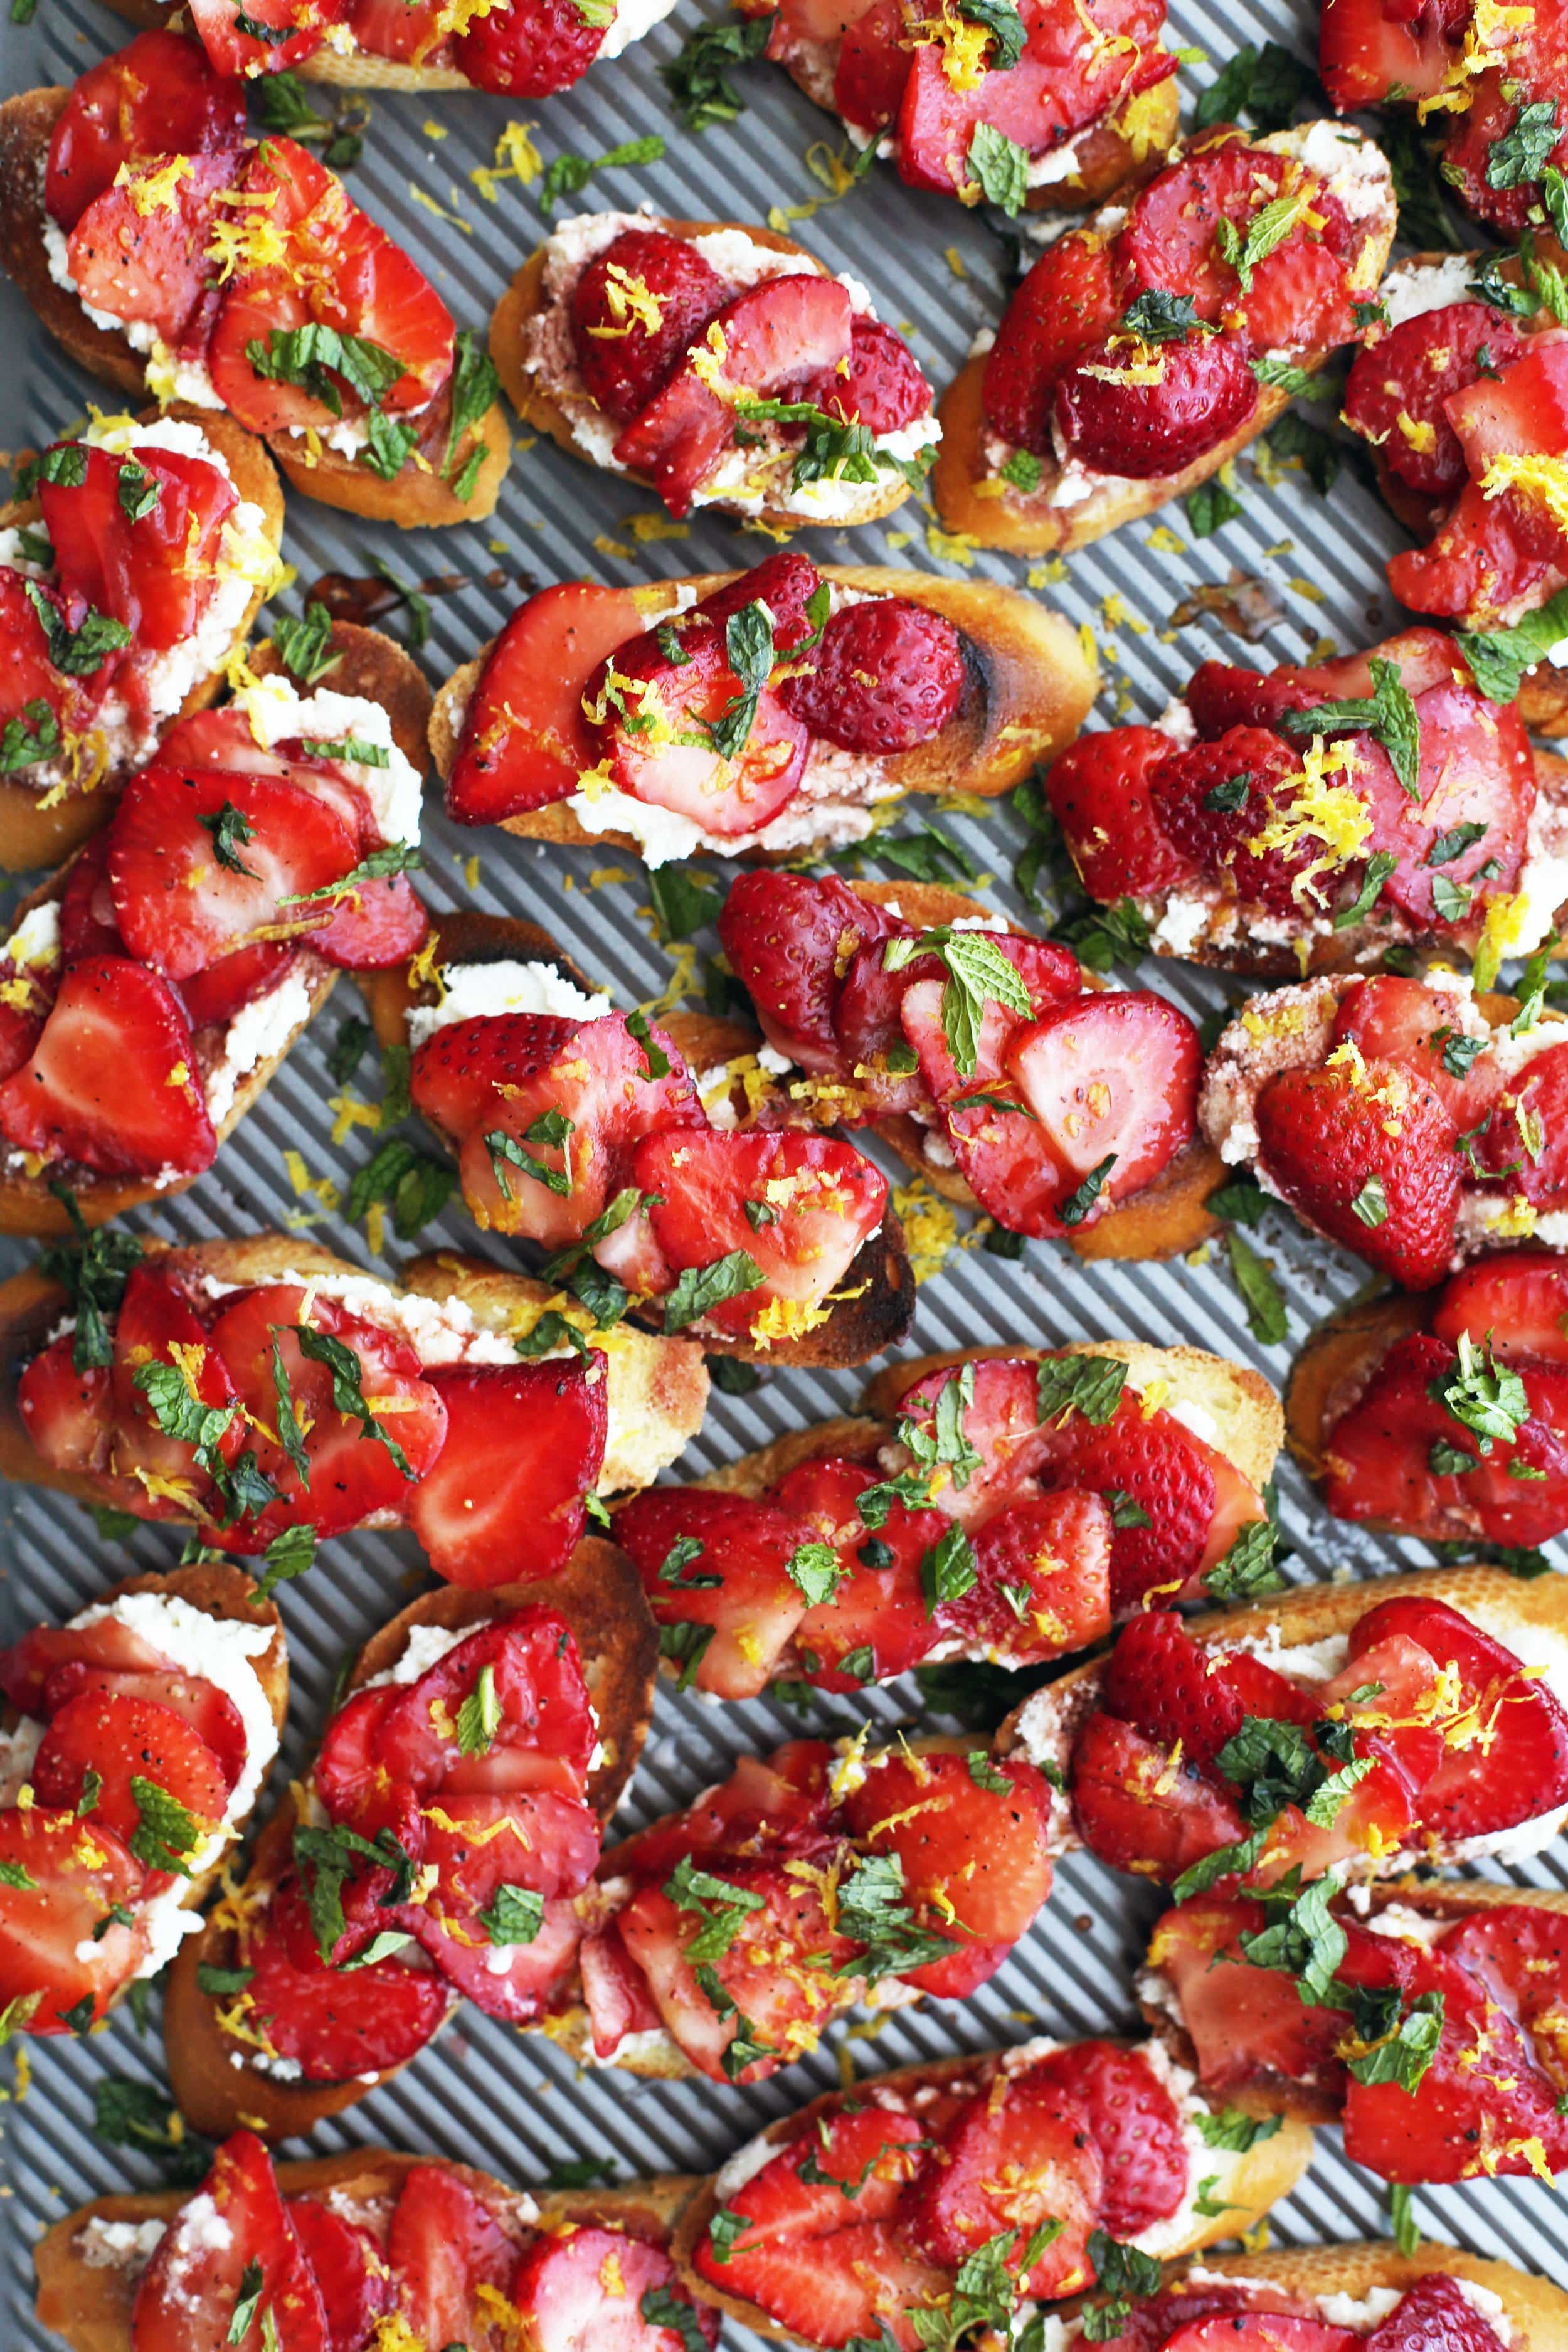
<point x="440" y="1330"/>
<point x="103" y="2246"/>
<point x="474" y="992"/>
<point x="259" y="1030"/>
<point x="169" y="377"/>
<point x="278" y="713"/>
<point x="632" y="19"/>
<point x="1416" y="286"/>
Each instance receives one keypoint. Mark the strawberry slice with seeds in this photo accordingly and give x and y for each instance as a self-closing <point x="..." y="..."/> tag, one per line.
<point x="529" y="1841"/>
<point x="445" y="2246"/>
<point x="157" y="95"/>
<point x="294" y="29"/>
<point x="879" y="1602"/>
<point x="1519" y="1953"/>
<point x="504" y="1499"/>
<point x="139" y="539"/>
<point x="1042" y="1580"/>
<point x="139" y="251"/>
<point x="1100" y="795"/>
<point x="816" y="1200"/>
<point x="1262" y="2332"/>
<point x="336" y="2022"/>
<point x="214" y="997"/>
<point x="539" y="1698"/>
<point x="974" y="1858"/>
<point x="1325" y="1134"/>
<point x="1136" y="2126"/>
<point x="760" y="344"/>
<point x="872" y="2151"/>
<point x="1365" y="52"/>
<point x="1519" y="1296"/>
<point x="354" y="1785"/>
<point x="530" y="49"/>
<point x="1249" y="2028"/>
<point x="1433" y="2309"/>
<point x="780" y="1796"/>
<point x="1068" y="302"/>
<point x="1525" y="1134"/>
<point x="199" y="2276"/>
<point x="720" y="1561"/>
<point x="831" y="2290"/>
<point x="1114" y="420"/>
<point x="40" y="707"/>
<point x="590" y="2292"/>
<point x="357" y="2287"/>
<point x="107" y="1645"/>
<point x="1017" y="2159"/>
<point x="525" y="741"/>
<point x="881" y="388"/>
<point x="87" y="926"/>
<point x="615" y="1992"/>
<point x="64" y="1937"/>
<point x="122" y="1740"/>
<point x="112" y="1080"/>
<point x="1172" y="1688"/>
<point x="873" y="66"/>
<point x="66" y="1412"/>
<point x="157" y="1326"/>
<point x="1390" y="1019"/>
<point x="790" y="940"/>
<point x="210" y="1713"/>
<point x="1140" y="1808"/>
<point x="888" y="674"/>
<point x="1410" y="374"/>
<point x="638" y="307"/>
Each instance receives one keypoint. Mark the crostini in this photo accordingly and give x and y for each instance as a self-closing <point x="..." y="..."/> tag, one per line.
<point x="137" y="1739"/>
<point x="1056" y="110"/>
<point x="910" y="1009"/>
<point x="716" y="365"/>
<point x="154" y="983"/>
<point x="1416" y="1122"/>
<point x="1358" y="1729"/>
<point x="442" y="1847"/>
<point x="1332" y="2299"/>
<point x="581" y="1130"/>
<point x="169" y="254"/>
<point x="1438" y="1416"/>
<point x="1144" y="351"/>
<point x="368" y="2249"/>
<point x="1369" y="2010"/>
<point x="1008" y="1505"/>
<point x="133" y="563"/>
<point x="520" y="49"/>
<point x="269" y="1393"/>
<point x="1495" y="74"/>
<point x="975" y="2186"/>
<point x="1300" y="820"/>
<point x="812" y="696"/>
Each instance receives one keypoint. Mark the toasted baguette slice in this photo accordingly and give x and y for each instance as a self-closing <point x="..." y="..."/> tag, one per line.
<point x="658" y="1387"/>
<point x="368" y="666"/>
<point x="600" y="1595"/>
<point x="36" y="828"/>
<point x="89" y="2305"/>
<point x="1269" y="2171"/>
<point x="361" y="69"/>
<point x="965" y="488"/>
<point x="415" y="498"/>
<point x="1536" y="2311"/>
<point x="1029" y="691"/>
<point x="857" y="1328"/>
<point x="1048" y="1722"/>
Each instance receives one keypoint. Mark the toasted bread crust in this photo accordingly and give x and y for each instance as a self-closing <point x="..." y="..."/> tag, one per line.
<point x="1028" y="692"/>
<point x="1538" y="2311"/>
<point x="89" y="2308"/>
<point x="1334" y="1366"/>
<point x="413" y="500"/>
<point x="600" y="1595"/>
<point x="1270" y="2172"/>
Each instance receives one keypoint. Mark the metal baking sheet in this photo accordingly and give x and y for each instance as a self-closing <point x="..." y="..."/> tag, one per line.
<point x="515" y="2104"/>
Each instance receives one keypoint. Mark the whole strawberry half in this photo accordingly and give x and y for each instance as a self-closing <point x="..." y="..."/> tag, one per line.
<point x="636" y="310"/>
<point x="1367" y="1153"/>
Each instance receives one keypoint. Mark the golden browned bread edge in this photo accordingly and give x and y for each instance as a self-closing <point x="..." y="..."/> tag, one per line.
<point x="1539" y="2311"/>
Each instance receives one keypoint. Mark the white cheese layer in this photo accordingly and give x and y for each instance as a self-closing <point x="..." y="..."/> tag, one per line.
<point x="259" y="1030"/>
<point x="440" y="1330"/>
<point x="278" y="713"/>
<point x="482" y="991"/>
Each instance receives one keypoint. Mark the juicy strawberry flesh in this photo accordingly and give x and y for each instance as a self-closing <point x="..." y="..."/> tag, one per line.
<point x="529" y="50"/>
<point x="1167" y="1685"/>
<point x="1500" y="98"/>
<point x="155" y="574"/>
<point x="110" y="1083"/>
<point x="537" y="1683"/>
<point x="1131" y="1809"/>
<point x="1042" y="1580"/>
<point x="107" y="1645"/>
<point x="832" y="2291"/>
<point x="87" y="926"/>
<point x="334" y="2023"/>
<point x="1136" y="2126"/>
<point x="880" y="1601"/>
<point x="1206" y="392"/>
<point x="1068" y="302"/>
<point x="789" y="939"/>
<point x="1015" y="2163"/>
<point x="873" y="66"/>
<point x="1411" y="372"/>
<point x="1111" y="1077"/>
<point x="888" y="674"/>
<point x="445" y="2244"/>
<point x="589" y="2288"/>
<point x="1493" y="560"/>
<point x="1434" y="2310"/>
<point x="150" y="262"/>
<point x="755" y="1606"/>
<point x="525" y="741"/>
<point x="189" y="2294"/>
<point x="120" y="1737"/>
<point x="624" y="363"/>
<point x="27" y="676"/>
<point x="493" y="1513"/>
<point x="1323" y="1133"/>
<point x="1519" y="1953"/>
<point x="1171" y="241"/>
<point x="973" y="1858"/>
<point x="1368" y="47"/>
<point x="1390" y="1019"/>
<point x="658" y="740"/>
<point x="1100" y="792"/>
<point x="73" y="1882"/>
<point x="1524" y="1142"/>
<point x="234" y="51"/>
<point x="157" y="95"/>
<point x="1518" y="1297"/>
<point x="882" y="387"/>
<point x="518" y="1841"/>
<point x="356" y="2286"/>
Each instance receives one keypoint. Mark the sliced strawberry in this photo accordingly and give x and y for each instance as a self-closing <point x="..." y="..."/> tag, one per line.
<point x="1325" y="1133"/>
<point x="87" y="909"/>
<point x="214" y="997"/>
<point x="446" y="2245"/>
<point x="46" y="708"/>
<point x="355" y="1788"/>
<point x="1100" y="795"/>
<point x="1492" y="558"/>
<point x="1410" y="374"/>
<point x="111" y="1081"/>
<point x="153" y="572"/>
<point x="888" y="674"/>
<point x="66" y="1412"/>
<point x="1135" y="2125"/>
<point x="1133" y="1047"/>
<point x="1068" y="302"/>
<point x="760" y="344"/>
<point x="974" y="1860"/>
<point x="879" y="1602"/>
<point x="783" y="1797"/>
<point x="1115" y="422"/>
<point x="587" y="2293"/>
<point x="376" y="924"/>
<point x="1298" y="296"/>
<point x="139" y="251"/>
<point x="157" y="95"/>
<point x="1172" y="1688"/>
<point x="210" y="1713"/>
<point x="870" y="2156"/>
<point x="1525" y="1136"/>
<point x="481" y="1526"/>
<point x="120" y="1740"/>
<point x="867" y="1022"/>
<point x="1262" y="2332"/>
<point x="635" y="309"/>
<point x="337" y="2023"/>
<point x="790" y="939"/>
<point x="736" y="1581"/>
<point x="1042" y="1580"/>
<point x="539" y="1841"/>
<point x="881" y="388"/>
<point x="1525" y="73"/>
<point x="1434" y="2310"/>
<point x="107" y="1644"/>
<point x="1364" y="51"/>
<point x="156" y="1319"/>
<point x="64" y="1937"/>
<point x="1052" y="979"/>
<point x="1519" y="1952"/>
<point x="831" y="2291"/>
<point x="826" y="1198"/>
<point x="615" y="1992"/>
<point x="997" y="1418"/>
<point x="525" y="741"/>
<point x="238" y="2238"/>
<point x="1389" y="1019"/>
<point x="1139" y="1808"/>
<point x="357" y="2287"/>
<point x="1520" y="1297"/>
<point x="339" y="271"/>
<point x="530" y="49"/>
<point x="873" y="68"/>
<point x="26" y="995"/>
<point x="296" y="27"/>
<point x="1249" y="2027"/>
<point x="537" y="1689"/>
<point x="1016" y="2157"/>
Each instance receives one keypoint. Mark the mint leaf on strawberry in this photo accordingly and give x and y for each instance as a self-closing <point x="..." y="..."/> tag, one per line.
<point x="166" y="1834"/>
<point x="1247" y="1567"/>
<point x="872" y="1912"/>
<point x="1388" y="714"/>
<point x="348" y="1391"/>
<point x="1231" y="2129"/>
<point x="1499" y="658"/>
<point x="814" y="1567"/>
<point x="1001" y="166"/>
<point x="515" y="1914"/>
<point x="1482" y="1394"/>
<point x="699" y="1288"/>
<point x="1520" y="156"/>
<point x="948" y="1570"/>
<point x="1006" y="26"/>
<point x="1091" y="1385"/>
<point x="722" y="1907"/>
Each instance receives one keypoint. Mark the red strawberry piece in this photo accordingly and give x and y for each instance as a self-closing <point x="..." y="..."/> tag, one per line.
<point x="156" y="1319"/>
<point x="1171" y="1687"/>
<point x="1101" y="795"/>
<point x="489" y="1518"/>
<point x="1388" y="1019"/>
<point x="530" y="49"/>
<point x="1435" y="2313"/>
<point x="157" y="95"/>
<point x="1149" y="2327"/>
<point x="769" y="337"/>
<point x="1014" y="2161"/>
<point x="357" y="2288"/>
<point x="1135" y="2125"/>
<point x="867" y="1022"/>
<point x="340" y="271"/>
<point x="873" y="2151"/>
<point x="212" y="997"/>
<point x="66" y="1412"/>
<point x="181" y="900"/>
<point x="883" y="388"/>
<point x="784" y="1796"/>
<point x="1068" y="302"/>
<point x="30" y="1665"/>
<point x="197" y="2277"/>
<point x="223" y="738"/>
<point x="1492" y="557"/>
<point x="353" y="1786"/>
<point x="736" y="1582"/>
<point x="525" y="741"/>
<point x="879" y="1602"/>
<point x="1134" y="1048"/>
<point x="1220" y="696"/>
<point x="1299" y="293"/>
<point x="87" y="926"/>
<point x="615" y="1992"/>
<point x="1248" y="2026"/>
<point x="122" y="1738"/>
<point x="26" y="995"/>
<point x="1518" y="1297"/>
<point x="446" y="2245"/>
<point x="1052" y="979"/>
<point x="790" y="939"/>
<point x="587" y="2292"/>
<point x="39" y="707"/>
<point x="210" y="1713"/>
<point x="1476" y="769"/>
<point x="1524" y="1137"/>
<point x="1114" y="422"/>
<point x="1364" y="52"/>
<point x="1192" y="791"/>
<point x="337" y="2023"/>
<point x="974" y="1859"/>
<point x="141" y="249"/>
<point x="999" y="1424"/>
<point x="1261" y="2331"/>
<point x="873" y="66"/>
<point x="1187" y="1490"/>
<point x="624" y="357"/>
<point x="1500" y="98"/>
<point x="832" y="2290"/>
<point x="111" y="1081"/>
<point x="1136" y="1810"/>
<point x="1324" y="1133"/>
<point x="298" y="24"/>
<point x="1520" y="1954"/>
<point x="541" y="1842"/>
<point x="378" y="923"/>
<point x="155" y="573"/>
<point x="59" y="1942"/>
<point x="1410" y="374"/>
<point x="536" y="1683"/>
<point x="1042" y="1580"/>
<point x="888" y="674"/>
<point x="828" y="1199"/>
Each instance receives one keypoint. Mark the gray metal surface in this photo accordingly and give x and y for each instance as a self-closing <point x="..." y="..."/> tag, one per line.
<point x="483" y="2093"/>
